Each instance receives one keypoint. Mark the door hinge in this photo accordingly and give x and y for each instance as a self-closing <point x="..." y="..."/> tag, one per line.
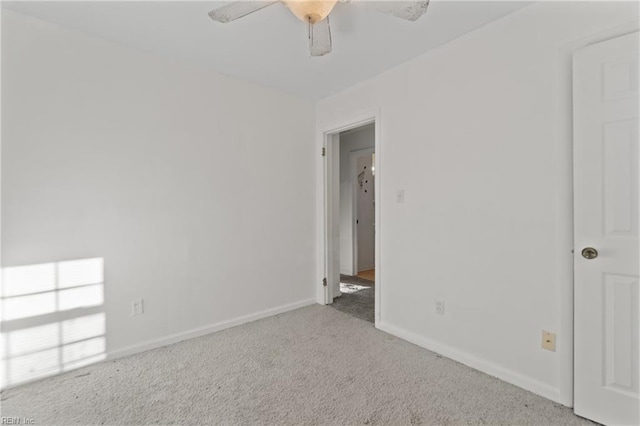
<point x="324" y="282"/>
<point x="324" y="151"/>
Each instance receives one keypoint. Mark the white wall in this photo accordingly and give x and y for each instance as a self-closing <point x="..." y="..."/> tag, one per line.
<point x="365" y="213"/>
<point x="477" y="133"/>
<point x="194" y="188"/>
<point x="352" y="140"/>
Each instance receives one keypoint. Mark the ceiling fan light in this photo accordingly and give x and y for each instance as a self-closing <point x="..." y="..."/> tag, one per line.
<point x="310" y="11"/>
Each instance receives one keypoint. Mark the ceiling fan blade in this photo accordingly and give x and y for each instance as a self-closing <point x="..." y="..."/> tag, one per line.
<point x="320" y="38"/>
<point x="238" y="9"/>
<point x="409" y="10"/>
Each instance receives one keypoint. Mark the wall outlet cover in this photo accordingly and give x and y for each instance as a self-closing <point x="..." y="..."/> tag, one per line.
<point x="548" y="340"/>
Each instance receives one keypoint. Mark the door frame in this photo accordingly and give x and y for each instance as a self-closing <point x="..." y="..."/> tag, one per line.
<point x="327" y="138"/>
<point x="353" y="164"/>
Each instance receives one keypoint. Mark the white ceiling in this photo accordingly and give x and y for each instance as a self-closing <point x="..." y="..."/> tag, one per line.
<point x="270" y="46"/>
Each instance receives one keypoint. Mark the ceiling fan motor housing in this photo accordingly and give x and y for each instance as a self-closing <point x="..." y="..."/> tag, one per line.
<point x="310" y="11"/>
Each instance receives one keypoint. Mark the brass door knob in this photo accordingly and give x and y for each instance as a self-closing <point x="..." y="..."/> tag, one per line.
<point x="589" y="253"/>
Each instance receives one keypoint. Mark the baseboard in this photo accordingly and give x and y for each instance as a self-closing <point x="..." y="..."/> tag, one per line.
<point x="475" y="362"/>
<point x="190" y="334"/>
<point x="179" y="337"/>
<point x="366" y="268"/>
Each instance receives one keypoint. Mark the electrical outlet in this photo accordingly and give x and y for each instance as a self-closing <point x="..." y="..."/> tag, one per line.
<point x="548" y="340"/>
<point x="400" y="196"/>
<point x="440" y="307"/>
<point x="137" y="307"/>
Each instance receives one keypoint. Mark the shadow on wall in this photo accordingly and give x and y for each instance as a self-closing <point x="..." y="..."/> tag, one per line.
<point x="53" y="319"/>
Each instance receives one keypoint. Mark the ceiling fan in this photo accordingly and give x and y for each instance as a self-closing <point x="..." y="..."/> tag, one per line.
<point x="315" y="13"/>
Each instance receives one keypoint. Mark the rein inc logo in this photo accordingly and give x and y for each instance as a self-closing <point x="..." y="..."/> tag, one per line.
<point x="17" y="421"/>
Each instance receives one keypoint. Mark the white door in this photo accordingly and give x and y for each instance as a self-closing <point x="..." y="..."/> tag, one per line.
<point x="606" y="221"/>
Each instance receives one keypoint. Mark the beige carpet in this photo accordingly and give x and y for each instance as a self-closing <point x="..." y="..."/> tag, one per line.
<point x="315" y="365"/>
<point x="357" y="299"/>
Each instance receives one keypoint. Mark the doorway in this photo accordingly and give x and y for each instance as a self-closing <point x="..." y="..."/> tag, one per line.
<point x="351" y="224"/>
<point x="357" y="223"/>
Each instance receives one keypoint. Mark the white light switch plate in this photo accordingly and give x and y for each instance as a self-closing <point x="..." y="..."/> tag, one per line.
<point x="137" y="307"/>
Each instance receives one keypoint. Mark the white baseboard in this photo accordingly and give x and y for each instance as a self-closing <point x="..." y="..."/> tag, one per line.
<point x="366" y="268"/>
<point x="190" y="334"/>
<point x="178" y="337"/>
<point x="472" y="361"/>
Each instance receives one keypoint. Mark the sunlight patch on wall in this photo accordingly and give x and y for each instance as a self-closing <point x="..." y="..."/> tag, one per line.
<point x="52" y="319"/>
<point x="51" y="287"/>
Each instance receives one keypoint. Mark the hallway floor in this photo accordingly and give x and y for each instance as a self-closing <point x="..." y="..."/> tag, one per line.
<point x="368" y="275"/>
<point x="358" y="297"/>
